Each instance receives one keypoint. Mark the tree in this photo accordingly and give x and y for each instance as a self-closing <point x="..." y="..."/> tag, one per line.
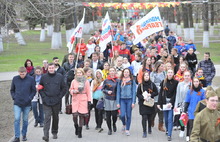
<point x="205" y="18"/>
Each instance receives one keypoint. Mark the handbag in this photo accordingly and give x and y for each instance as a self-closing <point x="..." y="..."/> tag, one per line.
<point x="100" y="104"/>
<point x="69" y="106"/>
<point x="150" y="101"/>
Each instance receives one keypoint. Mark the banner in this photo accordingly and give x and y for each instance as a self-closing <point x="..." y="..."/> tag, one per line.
<point x="106" y="36"/>
<point x="149" y="24"/>
<point x="76" y="33"/>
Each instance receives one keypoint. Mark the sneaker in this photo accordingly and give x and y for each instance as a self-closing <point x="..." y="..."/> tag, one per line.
<point x="166" y="133"/>
<point x="144" y="135"/>
<point x="96" y="128"/>
<point x="181" y="134"/>
<point x="24" y="138"/>
<point x="42" y="125"/>
<point x="60" y="112"/>
<point x="169" y="138"/>
<point x="54" y="136"/>
<point x="46" y="139"/>
<point x="35" y="124"/>
<point x="127" y="133"/>
<point x="175" y="128"/>
<point x="187" y="138"/>
<point x="16" y="140"/>
<point x="179" y="128"/>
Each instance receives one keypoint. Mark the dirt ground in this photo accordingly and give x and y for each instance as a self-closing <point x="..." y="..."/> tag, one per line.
<point x="6" y="110"/>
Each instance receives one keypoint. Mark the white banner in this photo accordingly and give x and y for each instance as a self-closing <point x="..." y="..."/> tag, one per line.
<point x="106" y="36"/>
<point x="149" y="24"/>
<point x="76" y="33"/>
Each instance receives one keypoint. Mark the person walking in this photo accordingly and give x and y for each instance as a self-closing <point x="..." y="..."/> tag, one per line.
<point x="146" y="112"/>
<point x="181" y="92"/>
<point x="166" y="101"/>
<point x="97" y="94"/>
<point x="206" y="124"/>
<point x="52" y="93"/>
<point x="37" y="105"/>
<point x="22" y="92"/>
<point x="81" y="100"/>
<point x="126" y="98"/>
<point x="109" y="89"/>
<point x="194" y="95"/>
<point x="157" y="76"/>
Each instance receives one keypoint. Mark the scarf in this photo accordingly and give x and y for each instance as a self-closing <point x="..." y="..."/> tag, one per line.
<point x="29" y="69"/>
<point x="125" y="80"/>
<point x="81" y="81"/>
<point x="96" y="84"/>
<point x="112" y="78"/>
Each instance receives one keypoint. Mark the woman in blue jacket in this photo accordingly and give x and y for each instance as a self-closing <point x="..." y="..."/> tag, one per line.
<point x="193" y="96"/>
<point x="126" y="97"/>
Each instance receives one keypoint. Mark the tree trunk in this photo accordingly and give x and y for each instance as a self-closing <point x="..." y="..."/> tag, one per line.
<point x="190" y="12"/>
<point x="50" y="26"/>
<point x="56" y="37"/>
<point x="206" y="25"/>
<point x="185" y="22"/>
<point x="1" y="43"/>
<point x="178" y="18"/>
<point x="69" y="21"/>
<point x="42" y="33"/>
<point x="212" y="18"/>
<point x="18" y="35"/>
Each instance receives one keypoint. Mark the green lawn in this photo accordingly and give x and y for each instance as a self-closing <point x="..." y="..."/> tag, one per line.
<point x="14" y="55"/>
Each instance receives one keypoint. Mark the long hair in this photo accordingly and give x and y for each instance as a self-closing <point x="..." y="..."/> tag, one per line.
<point x="193" y="87"/>
<point x="157" y="65"/>
<point x="143" y="76"/>
<point x="81" y="70"/>
<point x="28" y="60"/>
<point x="144" y="64"/>
<point x="130" y="74"/>
<point x="166" y="79"/>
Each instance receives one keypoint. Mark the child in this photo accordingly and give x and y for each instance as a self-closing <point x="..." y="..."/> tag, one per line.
<point x="126" y="63"/>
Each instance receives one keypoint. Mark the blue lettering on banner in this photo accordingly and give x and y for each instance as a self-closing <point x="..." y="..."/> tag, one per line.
<point x="152" y="19"/>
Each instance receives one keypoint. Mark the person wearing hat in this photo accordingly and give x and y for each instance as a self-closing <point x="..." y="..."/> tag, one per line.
<point x="206" y="126"/>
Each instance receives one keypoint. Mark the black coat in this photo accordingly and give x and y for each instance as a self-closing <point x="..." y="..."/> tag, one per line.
<point x="144" y="110"/>
<point x="54" y="88"/>
<point x="169" y="92"/>
<point x="191" y="59"/>
<point x="99" y="66"/>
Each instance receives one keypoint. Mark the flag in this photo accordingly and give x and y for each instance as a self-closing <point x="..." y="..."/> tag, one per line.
<point x="76" y="33"/>
<point x="149" y="24"/>
<point x="106" y="36"/>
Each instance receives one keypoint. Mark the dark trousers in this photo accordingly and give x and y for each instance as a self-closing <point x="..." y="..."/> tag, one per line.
<point x="51" y="111"/>
<point x="189" y="127"/>
<point x="157" y="111"/>
<point x="176" y="122"/>
<point x="98" y="115"/>
<point x="111" y="117"/>
<point x="146" y="118"/>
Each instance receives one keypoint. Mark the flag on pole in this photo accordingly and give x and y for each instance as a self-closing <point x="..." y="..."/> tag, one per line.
<point x="76" y="33"/>
<point x="149" y="24"/>
<point x="106" y="36"/>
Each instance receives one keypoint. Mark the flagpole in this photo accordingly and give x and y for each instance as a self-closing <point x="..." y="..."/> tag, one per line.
<point x="77" y="57"/>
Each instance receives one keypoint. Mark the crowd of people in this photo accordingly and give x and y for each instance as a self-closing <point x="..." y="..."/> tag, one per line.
<point x="162" y="67"/>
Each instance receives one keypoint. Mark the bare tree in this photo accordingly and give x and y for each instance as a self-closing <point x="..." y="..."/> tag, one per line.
<point x="212" y="17"/>
<point x="206" y="24"/>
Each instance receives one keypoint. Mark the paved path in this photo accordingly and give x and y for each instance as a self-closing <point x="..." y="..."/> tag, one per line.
<point x="66" y="132"/>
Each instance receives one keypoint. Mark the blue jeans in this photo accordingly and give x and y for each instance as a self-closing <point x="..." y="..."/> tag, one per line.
<point x="17" y="116"/>
<point x="38" y="112"/>
<point x="168" y="117"/>
<point x="125" y="108"/>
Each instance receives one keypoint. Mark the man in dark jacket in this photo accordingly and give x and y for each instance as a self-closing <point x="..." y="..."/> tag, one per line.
<point x="208" y="68"/>
<point x="96" y="64"/>
<point x="53" y="90"/>
<point x="22" y="92"/>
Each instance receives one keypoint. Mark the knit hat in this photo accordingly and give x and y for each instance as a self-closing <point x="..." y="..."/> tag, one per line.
<point x="210" y="94"/>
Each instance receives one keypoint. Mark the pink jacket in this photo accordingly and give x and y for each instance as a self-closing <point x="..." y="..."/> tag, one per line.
<point x="80" y="101"/>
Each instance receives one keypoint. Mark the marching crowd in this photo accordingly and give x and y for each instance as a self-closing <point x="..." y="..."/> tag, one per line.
<point x="161" y="72"/>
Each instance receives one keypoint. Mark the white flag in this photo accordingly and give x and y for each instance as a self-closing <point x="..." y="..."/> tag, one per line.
<point x="76" y="33"/>
<point x="149" y="24"/>
<point x="106" y="36"/>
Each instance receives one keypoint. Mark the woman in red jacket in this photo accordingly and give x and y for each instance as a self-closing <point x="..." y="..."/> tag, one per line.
<point x="81" y="47"/>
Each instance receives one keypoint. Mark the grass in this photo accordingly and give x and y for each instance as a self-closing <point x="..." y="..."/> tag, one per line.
<point x="14" y="55"/>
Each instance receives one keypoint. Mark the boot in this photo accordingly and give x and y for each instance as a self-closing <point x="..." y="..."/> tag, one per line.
<point x="79" y="132"/>
<point x="152" y="123"/>
<point x="149" y="130"/>
<point x="160" y="127"/>
<point x="76" y="129"/>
